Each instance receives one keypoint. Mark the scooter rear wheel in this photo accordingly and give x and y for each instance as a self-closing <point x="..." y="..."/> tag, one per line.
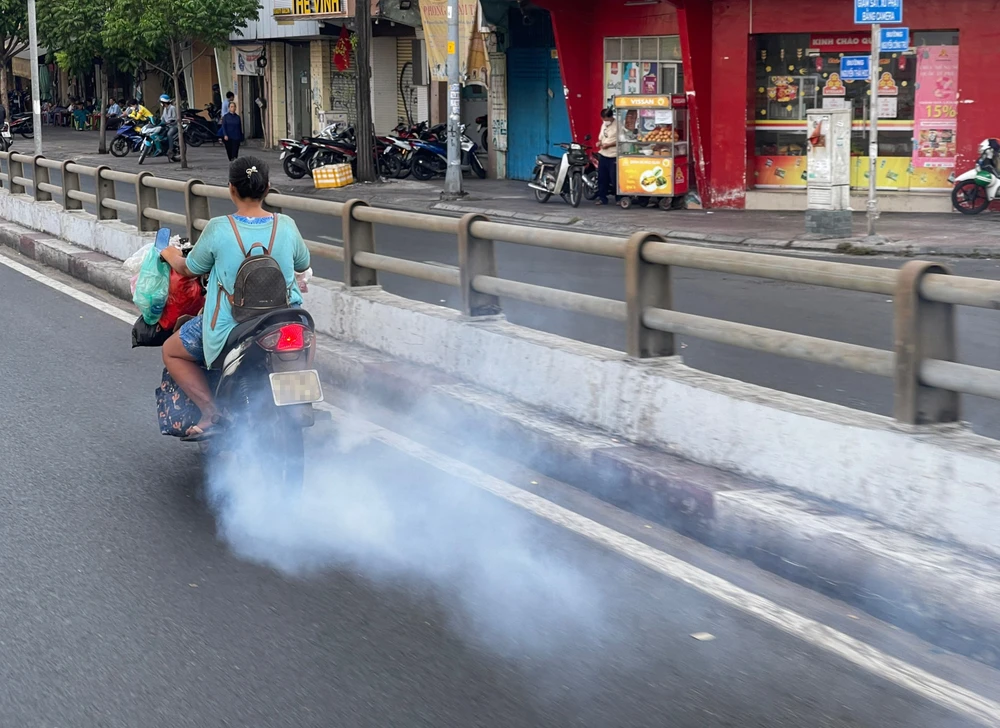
<point x="969" y="198"/>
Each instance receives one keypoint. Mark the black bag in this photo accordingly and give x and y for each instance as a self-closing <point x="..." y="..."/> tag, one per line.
<point x="260" y="283"/>
<point x="144" y="334"/>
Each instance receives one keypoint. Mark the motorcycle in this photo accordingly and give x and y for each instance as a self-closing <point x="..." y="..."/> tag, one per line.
<point x="127" y="139"/>
<point x="336" y="145"/>
<point x="200" y="130"/>
<point x="484" y="132"/>
<point x="23" y="124"/>
<point x="430" y="159"/>
<point x="561" y="175"/>
<point x="156" y="143"/>
<point x="264" y="390"/>
<point x="297" y="154"/>
<point x="6" y="139"/>
<point x="976" y="189"/>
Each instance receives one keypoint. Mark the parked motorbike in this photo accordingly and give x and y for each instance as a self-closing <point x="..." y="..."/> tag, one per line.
<point x="23" y="124"/>
<point x="430" y="159"/>
<point x="976" y="189"/>
<point x="265" y="392"/>
<point x="127" y="139"/>
<point x="156" y="143"/>
<point x="200" y="130"/>
<point x="6" y="139"/>
<point x="297" y="154"/>
<point x="335" y="145"/>
<point x="561" y="175"/>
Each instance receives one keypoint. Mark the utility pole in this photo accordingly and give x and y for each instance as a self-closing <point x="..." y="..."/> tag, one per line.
<point x="453" y="178"/>
<point x="873" y="138"/>
<point x="36" y="101"/>
<point x="365" y="131"/>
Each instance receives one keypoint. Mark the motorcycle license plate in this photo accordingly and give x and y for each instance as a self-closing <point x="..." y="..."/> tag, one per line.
<point x="301" y="387"/>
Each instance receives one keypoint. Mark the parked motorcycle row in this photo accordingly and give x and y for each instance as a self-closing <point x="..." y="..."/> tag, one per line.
<point x="419" y="150"/>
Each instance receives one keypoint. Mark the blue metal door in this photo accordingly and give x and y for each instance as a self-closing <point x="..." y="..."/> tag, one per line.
<point x="537" y="117"/>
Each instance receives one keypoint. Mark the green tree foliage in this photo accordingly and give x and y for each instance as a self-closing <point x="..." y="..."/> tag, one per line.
<point x="13" y="37"/>
<point x="157" y="31"/>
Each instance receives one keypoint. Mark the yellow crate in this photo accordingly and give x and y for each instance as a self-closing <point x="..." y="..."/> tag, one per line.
<point x="332" y="176"/>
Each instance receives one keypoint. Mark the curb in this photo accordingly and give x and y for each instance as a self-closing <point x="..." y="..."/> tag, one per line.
<point x="943" y="594"/>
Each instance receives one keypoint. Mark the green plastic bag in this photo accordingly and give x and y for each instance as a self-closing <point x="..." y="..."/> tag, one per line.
<point x="152" y="287"/>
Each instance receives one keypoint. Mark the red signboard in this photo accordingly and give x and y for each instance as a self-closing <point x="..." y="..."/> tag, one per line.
<point x="840" y="42"/>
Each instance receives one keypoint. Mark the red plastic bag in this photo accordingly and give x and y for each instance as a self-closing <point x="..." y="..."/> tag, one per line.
<point x="185" y="299"/>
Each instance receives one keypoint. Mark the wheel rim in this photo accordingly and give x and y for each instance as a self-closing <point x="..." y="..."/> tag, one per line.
<point x="970" y="196"/>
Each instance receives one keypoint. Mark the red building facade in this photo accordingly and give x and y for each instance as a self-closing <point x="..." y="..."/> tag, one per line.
<point x="752" y="67"/>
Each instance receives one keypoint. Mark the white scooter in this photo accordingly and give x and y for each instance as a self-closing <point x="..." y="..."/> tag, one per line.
<point x="976" y="189"/>
<point x="6" y="138"/>
<point x="561" y="175"/>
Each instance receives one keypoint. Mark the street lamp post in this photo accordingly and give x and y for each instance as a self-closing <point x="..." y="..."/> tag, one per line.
<point x="453" y="177"/>
<point x="36" y="102"/>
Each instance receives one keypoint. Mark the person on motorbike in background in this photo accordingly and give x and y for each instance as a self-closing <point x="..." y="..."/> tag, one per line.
<point x="199" y="342"/>
<point x="989" y="156"/>
<point x="137" y="112"/>
<point x="168" y="117"/>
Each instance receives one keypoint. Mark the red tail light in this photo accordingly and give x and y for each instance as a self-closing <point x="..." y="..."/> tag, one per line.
<point x="291" y="337"/>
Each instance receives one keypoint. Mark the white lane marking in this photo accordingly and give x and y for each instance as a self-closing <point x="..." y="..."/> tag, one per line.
<point x="892" y="669"/>
<point x="889" y="668"/>
<point x="97" y="303"/>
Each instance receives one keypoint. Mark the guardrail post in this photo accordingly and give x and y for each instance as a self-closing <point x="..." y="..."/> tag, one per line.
<point x="15" y="168"/>
<point x="41" y="176"/>
<point x="646" y="286"/>
<point x="359" y="237"/>
<point x="923" y="330"/>
<point x="195" y="208"/>
<point x="70" y="183"/>
<point x="145" y="197"/>
<point x="476" y="257"/>
<point x="276" y="209"/>
<point x="104" y="189"/>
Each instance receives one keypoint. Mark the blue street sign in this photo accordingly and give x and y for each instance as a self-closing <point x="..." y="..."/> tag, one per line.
<point x="868" y="12"/>
<point x="894" y="39"/>
<point x="855" y="68"/>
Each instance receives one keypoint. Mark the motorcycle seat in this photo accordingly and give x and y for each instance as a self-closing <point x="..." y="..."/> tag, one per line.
<point x="549" y="159"/>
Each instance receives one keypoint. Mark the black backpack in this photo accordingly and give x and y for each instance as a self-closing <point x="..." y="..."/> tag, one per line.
<point x="260" y="283"/>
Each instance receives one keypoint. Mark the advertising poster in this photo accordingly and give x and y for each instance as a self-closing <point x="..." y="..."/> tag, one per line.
<point x="645" y="176"/>
<point x="894" y="173"/>
<point x="613" y="78"/>
<point x="650" y="81"/>
<point x="834" y="86"/>
<point x="935" y="108"/>
<point x="631" y="85"/>
<point x="471" y="50"/>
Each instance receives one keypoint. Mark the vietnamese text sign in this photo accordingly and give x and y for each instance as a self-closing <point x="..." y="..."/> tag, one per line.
<point x="855" y="68"/>
<point x="894" y="39"/>
<point x="868" y="12"/>
<point x="935" y="107"/>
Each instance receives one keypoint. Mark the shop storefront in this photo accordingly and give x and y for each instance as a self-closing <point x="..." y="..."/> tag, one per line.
<point x="917" y="107"/>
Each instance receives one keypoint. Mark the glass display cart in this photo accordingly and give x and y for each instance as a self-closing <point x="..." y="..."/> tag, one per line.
<point x="652" y="150"/>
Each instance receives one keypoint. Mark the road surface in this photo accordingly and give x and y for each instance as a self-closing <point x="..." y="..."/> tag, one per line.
<point x="393" y="594"/>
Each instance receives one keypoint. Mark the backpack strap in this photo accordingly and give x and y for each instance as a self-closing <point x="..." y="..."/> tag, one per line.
<point x="236" y="232"/>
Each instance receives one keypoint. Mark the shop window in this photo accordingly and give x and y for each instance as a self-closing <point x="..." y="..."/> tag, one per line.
<point x="648" y="65"/>
<point x="798" y="72"/>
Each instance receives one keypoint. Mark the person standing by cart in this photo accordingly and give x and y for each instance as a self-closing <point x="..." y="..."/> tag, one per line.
<point x="607" y="157"/>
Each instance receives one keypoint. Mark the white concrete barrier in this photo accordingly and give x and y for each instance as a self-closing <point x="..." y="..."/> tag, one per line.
<point x="942" y="483"/>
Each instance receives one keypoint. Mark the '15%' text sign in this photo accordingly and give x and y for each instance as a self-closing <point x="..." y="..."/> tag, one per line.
<point x="855" y="68"/>
<point x="867" y="12"/>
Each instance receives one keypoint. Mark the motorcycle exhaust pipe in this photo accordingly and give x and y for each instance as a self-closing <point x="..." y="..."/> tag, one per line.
<point x="539" y="187"/>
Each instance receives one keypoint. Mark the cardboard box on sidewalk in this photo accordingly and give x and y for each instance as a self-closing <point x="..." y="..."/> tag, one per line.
<point x="332" y="176"/>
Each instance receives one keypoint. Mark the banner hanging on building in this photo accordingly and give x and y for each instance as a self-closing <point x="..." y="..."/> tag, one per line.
<point x="473" y="64"/>
<point x="935" y="108"/>
<point x="245" y="60"/>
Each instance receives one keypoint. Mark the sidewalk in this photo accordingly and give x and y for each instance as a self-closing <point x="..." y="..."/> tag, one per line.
<point x="904" y="234"/>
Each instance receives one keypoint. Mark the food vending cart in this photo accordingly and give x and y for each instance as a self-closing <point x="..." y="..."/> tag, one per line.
<point x="652" y="150"/>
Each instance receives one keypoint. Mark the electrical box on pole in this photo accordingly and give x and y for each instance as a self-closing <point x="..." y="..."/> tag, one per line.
<point x="828" y="180"/>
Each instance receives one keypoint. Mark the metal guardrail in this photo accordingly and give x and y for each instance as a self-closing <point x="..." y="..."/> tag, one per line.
<point x="927" y="379"/>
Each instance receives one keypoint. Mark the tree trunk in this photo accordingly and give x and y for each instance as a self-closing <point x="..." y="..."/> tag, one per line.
<point x="102" y="144"/>
<point x="365" y="131"/>
<point x="177" y="101"/>
<point x="3" y="85"/>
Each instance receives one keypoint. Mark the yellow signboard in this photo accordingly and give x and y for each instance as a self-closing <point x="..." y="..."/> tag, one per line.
<point x="290" y="9"/>
<point x="642" y="102"/>
<point x="645" y="176"/>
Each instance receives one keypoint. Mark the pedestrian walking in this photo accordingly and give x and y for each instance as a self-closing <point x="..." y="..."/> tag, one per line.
<point x="232" y="132"/>
<point x="607" y="157"/>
